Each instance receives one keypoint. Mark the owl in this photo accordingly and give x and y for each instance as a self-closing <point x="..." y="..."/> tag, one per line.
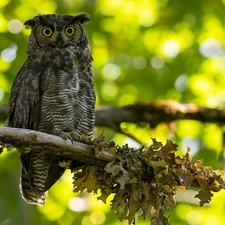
<point x="53" y="92"/>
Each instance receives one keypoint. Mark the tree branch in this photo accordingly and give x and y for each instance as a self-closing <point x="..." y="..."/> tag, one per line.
<point x="25" y="140"/>
<point x="153" y="113"/>
<point x="156" y="112"/>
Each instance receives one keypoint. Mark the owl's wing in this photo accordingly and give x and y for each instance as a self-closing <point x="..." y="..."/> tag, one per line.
<point x="25" y="99"/>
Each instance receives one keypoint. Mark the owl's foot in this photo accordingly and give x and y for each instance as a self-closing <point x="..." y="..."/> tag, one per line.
<point x="73" y="136"/>
<point x="66" y="136"/>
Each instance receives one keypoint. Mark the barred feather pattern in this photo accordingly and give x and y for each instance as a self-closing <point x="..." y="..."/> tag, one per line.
<point x="54" y="93"/>
<point x="35" y="193"/>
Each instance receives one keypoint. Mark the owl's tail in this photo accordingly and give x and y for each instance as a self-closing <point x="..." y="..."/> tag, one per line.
<point x="34" y="177"/>
<point x="29" y="193"/>
<point x="39" y="173"/>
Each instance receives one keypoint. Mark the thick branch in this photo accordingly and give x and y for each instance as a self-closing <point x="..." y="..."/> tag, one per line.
<point x="153" y="113"/>
<point x="37" y="141"/>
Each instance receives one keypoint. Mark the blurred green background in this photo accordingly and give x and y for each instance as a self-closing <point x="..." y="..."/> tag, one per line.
<point x="142" y="50"/>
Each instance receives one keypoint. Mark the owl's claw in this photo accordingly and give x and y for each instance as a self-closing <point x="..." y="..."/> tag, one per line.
<point x="70" y="139"/>
<point x="66" y="136"/>
<point x="73" y="136"/>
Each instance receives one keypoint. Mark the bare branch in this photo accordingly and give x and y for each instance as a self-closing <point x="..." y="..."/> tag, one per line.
<point x="153" y="113"/>
<point x="25" y="140"/>
<point x="166" y="111"/>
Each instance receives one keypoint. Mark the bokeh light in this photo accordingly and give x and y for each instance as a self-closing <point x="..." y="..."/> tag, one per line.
<point x="78" y="204"/>
<point x="15" y="26"/>
<point x="171" y="48"/>
<point x="9" y="54"/>
<point x="157" y="62"/>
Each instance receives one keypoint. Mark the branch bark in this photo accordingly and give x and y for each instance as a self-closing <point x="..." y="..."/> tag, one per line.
<point x="153" y="113"/>
<point x="26" y="140"/>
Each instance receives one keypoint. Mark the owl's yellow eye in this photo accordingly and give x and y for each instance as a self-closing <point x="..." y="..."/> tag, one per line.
<point x="70" y="31"/>
<point x="47" y="32"/>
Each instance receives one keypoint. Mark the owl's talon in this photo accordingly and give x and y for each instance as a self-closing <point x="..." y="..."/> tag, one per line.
<point x="74" y="135"/>
<point x="70" y="139"/>
<point x="66" y="136"/>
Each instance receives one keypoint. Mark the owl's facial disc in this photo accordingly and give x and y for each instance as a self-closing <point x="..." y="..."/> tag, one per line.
<point x="58" y="36"/>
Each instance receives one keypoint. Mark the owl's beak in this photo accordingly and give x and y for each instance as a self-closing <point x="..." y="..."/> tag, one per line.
<point x="59" y="40"/>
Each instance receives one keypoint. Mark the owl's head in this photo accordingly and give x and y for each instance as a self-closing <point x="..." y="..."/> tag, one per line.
<point x="57" y="30"/>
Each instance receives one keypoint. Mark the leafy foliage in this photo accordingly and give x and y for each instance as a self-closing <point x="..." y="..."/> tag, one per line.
<point x="147" y="177"/>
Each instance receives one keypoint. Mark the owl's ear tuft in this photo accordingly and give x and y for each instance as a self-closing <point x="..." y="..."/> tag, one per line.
<point x="30" y="23"/>
<point x="82" y="18"/>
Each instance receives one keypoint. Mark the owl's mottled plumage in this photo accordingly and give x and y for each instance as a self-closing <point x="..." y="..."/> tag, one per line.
<point x="53" y="92"/>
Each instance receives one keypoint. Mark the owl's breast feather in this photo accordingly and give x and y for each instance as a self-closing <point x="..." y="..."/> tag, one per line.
<point x="57" y="58"/>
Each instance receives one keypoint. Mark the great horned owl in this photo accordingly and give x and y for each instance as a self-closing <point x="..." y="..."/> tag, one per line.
<point x="54" y="93"/>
